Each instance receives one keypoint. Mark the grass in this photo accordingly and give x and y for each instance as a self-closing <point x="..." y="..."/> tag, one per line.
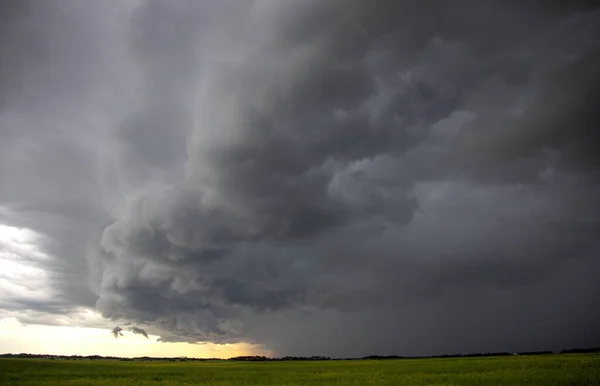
<point x="547" y="370"/>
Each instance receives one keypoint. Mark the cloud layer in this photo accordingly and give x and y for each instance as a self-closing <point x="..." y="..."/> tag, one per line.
<point x="332" y="178"/>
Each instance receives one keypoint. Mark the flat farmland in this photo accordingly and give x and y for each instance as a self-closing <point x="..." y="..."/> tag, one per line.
<point x="567" y="369"/>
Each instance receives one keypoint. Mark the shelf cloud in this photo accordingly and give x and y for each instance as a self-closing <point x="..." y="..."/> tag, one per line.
<point x="343" y="177"/>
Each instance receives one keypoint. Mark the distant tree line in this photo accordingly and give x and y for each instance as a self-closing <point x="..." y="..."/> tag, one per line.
<point x="259" y="358"/>
<point x="580" y="350"/>
<point x="256" y="358"/>
<point x="488" y="354"/>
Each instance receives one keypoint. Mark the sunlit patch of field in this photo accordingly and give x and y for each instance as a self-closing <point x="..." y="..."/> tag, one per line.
<point x="546" y="370"/>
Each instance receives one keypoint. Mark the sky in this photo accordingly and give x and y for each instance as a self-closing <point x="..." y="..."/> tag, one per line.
<point x="299" y="177"/>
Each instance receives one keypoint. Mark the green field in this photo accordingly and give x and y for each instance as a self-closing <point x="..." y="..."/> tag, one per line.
<point x="569" y="369"/>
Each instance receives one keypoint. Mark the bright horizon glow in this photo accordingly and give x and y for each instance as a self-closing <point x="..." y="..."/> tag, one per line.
<point x="16" y="338"/>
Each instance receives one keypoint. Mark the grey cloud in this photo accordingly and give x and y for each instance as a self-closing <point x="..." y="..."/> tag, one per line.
<point x="55" y="59"/>
<point x="139" y="331"/>
<point x="341" y="177"/>
<point x="117" y="332"/>
<point x="560" y="119"/>
<point x="155" y="136"/>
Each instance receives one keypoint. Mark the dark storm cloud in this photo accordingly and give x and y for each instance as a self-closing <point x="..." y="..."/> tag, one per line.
<point x="307" y="200"/>
<point x="340" y="177"/>
<point x="561" y="119"/>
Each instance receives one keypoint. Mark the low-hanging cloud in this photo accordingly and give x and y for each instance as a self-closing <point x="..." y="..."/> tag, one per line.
<point x="139" y="331"/>
<point x="117" y="331"/>
<point x="328" y="178"/>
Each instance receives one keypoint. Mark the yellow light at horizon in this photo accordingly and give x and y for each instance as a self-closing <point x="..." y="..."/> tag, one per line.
<point x="63" y="340"/>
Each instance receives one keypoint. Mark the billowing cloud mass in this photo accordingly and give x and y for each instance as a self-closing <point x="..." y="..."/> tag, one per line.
<point x="344" y="177"/>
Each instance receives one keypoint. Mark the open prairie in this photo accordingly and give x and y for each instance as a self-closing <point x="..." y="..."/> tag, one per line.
<point x="546" y="370"/>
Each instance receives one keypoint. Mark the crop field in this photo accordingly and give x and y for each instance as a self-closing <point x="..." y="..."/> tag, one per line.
<point x="568" y="369"/>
